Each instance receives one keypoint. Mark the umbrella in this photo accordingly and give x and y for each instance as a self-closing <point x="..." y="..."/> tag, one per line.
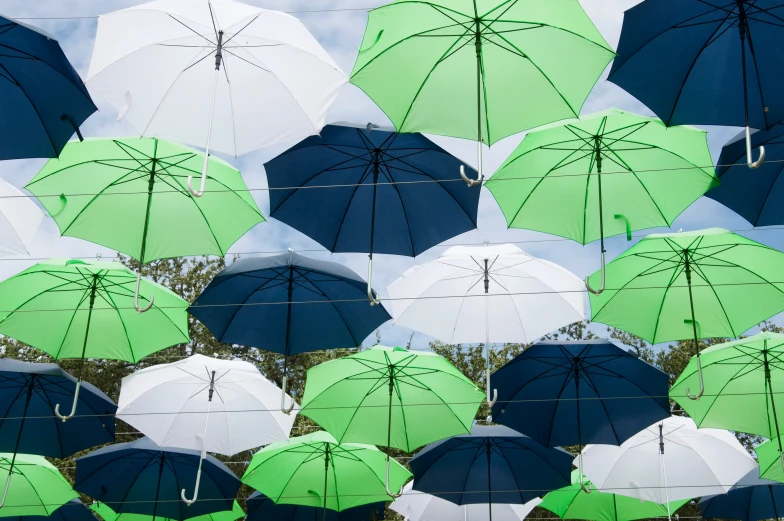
<point x="244" y="76"/>
<point x="74" y="510"/>
<point x="314" y="470"/>
<point x="323" y="310"/>
<point x="519" y="65"/>
<point x="142" y="478"/>
<point x="87" y="308"/>
<point x="107" y="514"/>
<point x="669" y="461"/>
<point x="391" y="396"/>
<point x="44" y="100"/>
<point x="487" y="294"/>
<point x="704" y="63"/>
<point x="35" y="487"/>
<point x="173" y="405"/>
<point x="573" y="503"/>
<point x="132" y="198"/>
<point x="608" y="173"/>
<point x="418" y="506"/>
<point x="262" y="508"/>
<point x="20" y="219"/>
<point x="490" y="465"/>
<point x="751" y="499"/>
<point x="769" y="457"/>
<point x="589" y="391"/>
<point x="687" y="285"/>
<point x="388" y="193"/>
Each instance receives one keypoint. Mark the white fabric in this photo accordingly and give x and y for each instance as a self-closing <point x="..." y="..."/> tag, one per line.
<point x="20" y="219"/>
<point x="418" y="506"/>
<point x="527" y="297"/>
<point x="168" y="403"/>
<point x="698" y="462"/>
<point x="155" y="63"/>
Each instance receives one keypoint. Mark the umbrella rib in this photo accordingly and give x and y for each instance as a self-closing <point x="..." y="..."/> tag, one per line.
<point x="35" y="109"/>
<point x="396" y="188"/>
<point x="191" y="29"/>
<point x="756" y="70"/>
<point x="348" y="206"/>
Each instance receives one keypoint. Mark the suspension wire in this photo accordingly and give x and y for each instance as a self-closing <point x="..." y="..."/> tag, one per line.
<point x="95" y="17"/>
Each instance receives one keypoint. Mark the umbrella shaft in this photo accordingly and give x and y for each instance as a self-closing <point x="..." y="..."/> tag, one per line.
<point x="489" y="483"/>
<point x="742" y="28"/>
<point x="598" y="154"/>
<point x="373" y="209"/>
<point x="326" y="480"/>
<point x="150" y="186"/>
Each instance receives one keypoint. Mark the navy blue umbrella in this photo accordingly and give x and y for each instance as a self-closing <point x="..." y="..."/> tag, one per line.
<point x="142" y="478"/>
<point x="42" y="98"/>
<point x="391" y="193"/>
<point x="708" y="62"/>
<point x="751" y="499"/>
<point x="262" y="508"/>
<point x="74" y="510"/>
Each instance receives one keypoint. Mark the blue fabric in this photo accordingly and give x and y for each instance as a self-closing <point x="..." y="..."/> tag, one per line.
<point x="262" y="508"/>
<point x="38" y="87"/>
<point x="755" y="195"/>
<point x="751" y="499"/>
<point x="42" y="433"/>
<point x="409" y="218"/>
<point x="514" y="468"/>
<point x="74" y="510"/>
<point x="618" y="395"/>
<point x="682" y="58"/>
<point x="331" y="309"/>
<point x="142" y="478"/>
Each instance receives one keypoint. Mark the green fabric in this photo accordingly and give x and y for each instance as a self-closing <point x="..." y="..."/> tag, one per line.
<point x="736" y="284"/>
<point x="540" y="60"/>
<point x="431" y="399"/>
<point x="652" y="173"/>
<point x="737" y="393"/>
<point x="770" y="460"/>
<point x="57" y="293"/>
<point x="293" y="472"/>
<point x="572" y="503"/>
<point x="37" y="488"/>
<point x="107" y="514"/>
<point x="121" y="171"/>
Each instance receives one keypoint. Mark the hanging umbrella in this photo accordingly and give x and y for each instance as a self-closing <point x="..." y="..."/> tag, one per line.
<point x="487" y="294"/>
<point x="391" y="396"/>
<point x="20" y="219"/>
<point x="132" y="198"/>
<point x="88" y="311"/>
<point x="679" y="286"/>
<point x="143" y="478"/>
<point x="246" y="77"/>
<point x="262" y="508"/>
<point x="43" y="98"/>
<point x="205" y="404"/>
<point x="74" y="510"/>
<point x="608" y="173"/>
<point x="513" y="66"/>
<point x="35" y="487"/>
<point x="107" y="514"/>
<point x="769" y="457"/>
<point x="387" y="192"/>
<point x="323" y="310"/>
<point x="704" y="63"/>
<point x="315" y="470"/>
<point x="751" y="499"/>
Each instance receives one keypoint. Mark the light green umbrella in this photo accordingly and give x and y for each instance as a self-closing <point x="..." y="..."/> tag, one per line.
<point x="131" y="195"/>
<point x="678" y="286"/>
<point x="391" y="396"/>
<point x="107" y="514"/>
<point x="36" y="487"/>
<point x="79" y="309"/>
<point x="770" y="460"/>
<point x="479" y="69"/>
<point x="606" y="174"/>
<point x="314" y="470"/>
<point x="573" y="503"/>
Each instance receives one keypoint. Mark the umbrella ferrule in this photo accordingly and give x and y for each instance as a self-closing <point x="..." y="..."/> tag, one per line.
<point x="219" y="51"/>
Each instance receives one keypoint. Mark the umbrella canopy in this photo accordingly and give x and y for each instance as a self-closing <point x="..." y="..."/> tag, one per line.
<point x="490" y="465"/>
<point x="669" y="461"/>
<point x="20" y="219"/>
<point x="107" y="514"/>
<point x="262" y="508"/>
<point x="142" y="478"/>
<point x="769" y="455"/>
<point x="751" y="499"/>
<point x="74" y="510"/>
<point x="43" y="98"/>
<point x="35" y="486"/>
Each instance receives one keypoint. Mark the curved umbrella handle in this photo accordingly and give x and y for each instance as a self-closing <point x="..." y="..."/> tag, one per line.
<point x="283" y="408"/>
<point x="73" y="406"/>
<point x="601" y="288"/>
<point x="193" y="192"/>
<point x="5" y="490"/>
<point x="386" y="484"/>
<point x="470" y="182"/>
<point x="187" y="501"/>
<point x="136" y="296"/>
<point x="749" y="162"/>
<point x="374" y="301"/>
<point x="699" y="362"/>
<point x="490" y="402"/>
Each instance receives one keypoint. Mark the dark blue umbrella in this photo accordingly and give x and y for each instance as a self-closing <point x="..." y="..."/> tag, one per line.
<point x="391" y="193"/>
<point x="492" y="464"/>
<point x="42" y="98"/>
<point x="757" y="198"/>
<point x="751" y="499"/>
<point x="142" y="478"/>
<point x="707" y="62"/>
<point x="74" y="510"/>
<point x="262" y="508"/>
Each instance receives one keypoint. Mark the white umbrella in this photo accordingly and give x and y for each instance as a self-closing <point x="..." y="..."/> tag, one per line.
<point x="20" y="219"/>
<point x="223" y="406"/>
<point x="669" y="461"/>
<point x="418" y="506"/>
<point x="487" y="294"/>
<point x="220" y="72"/>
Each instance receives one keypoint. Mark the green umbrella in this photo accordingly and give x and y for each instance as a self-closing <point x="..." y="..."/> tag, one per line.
<point x="87" y="309"/>
<point x="479" y="69"/>
<point x="678" y="286"/>
<point x="107" y="514"/>
<point x="314" y="470"/>
<point x="606" y="174"/>
<point x="573" y="503"/>
<point x="391" y="396"/>
<point x="131" y="195"/>
<point x="769" y="458"/>
<point x="36" y="487"/>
